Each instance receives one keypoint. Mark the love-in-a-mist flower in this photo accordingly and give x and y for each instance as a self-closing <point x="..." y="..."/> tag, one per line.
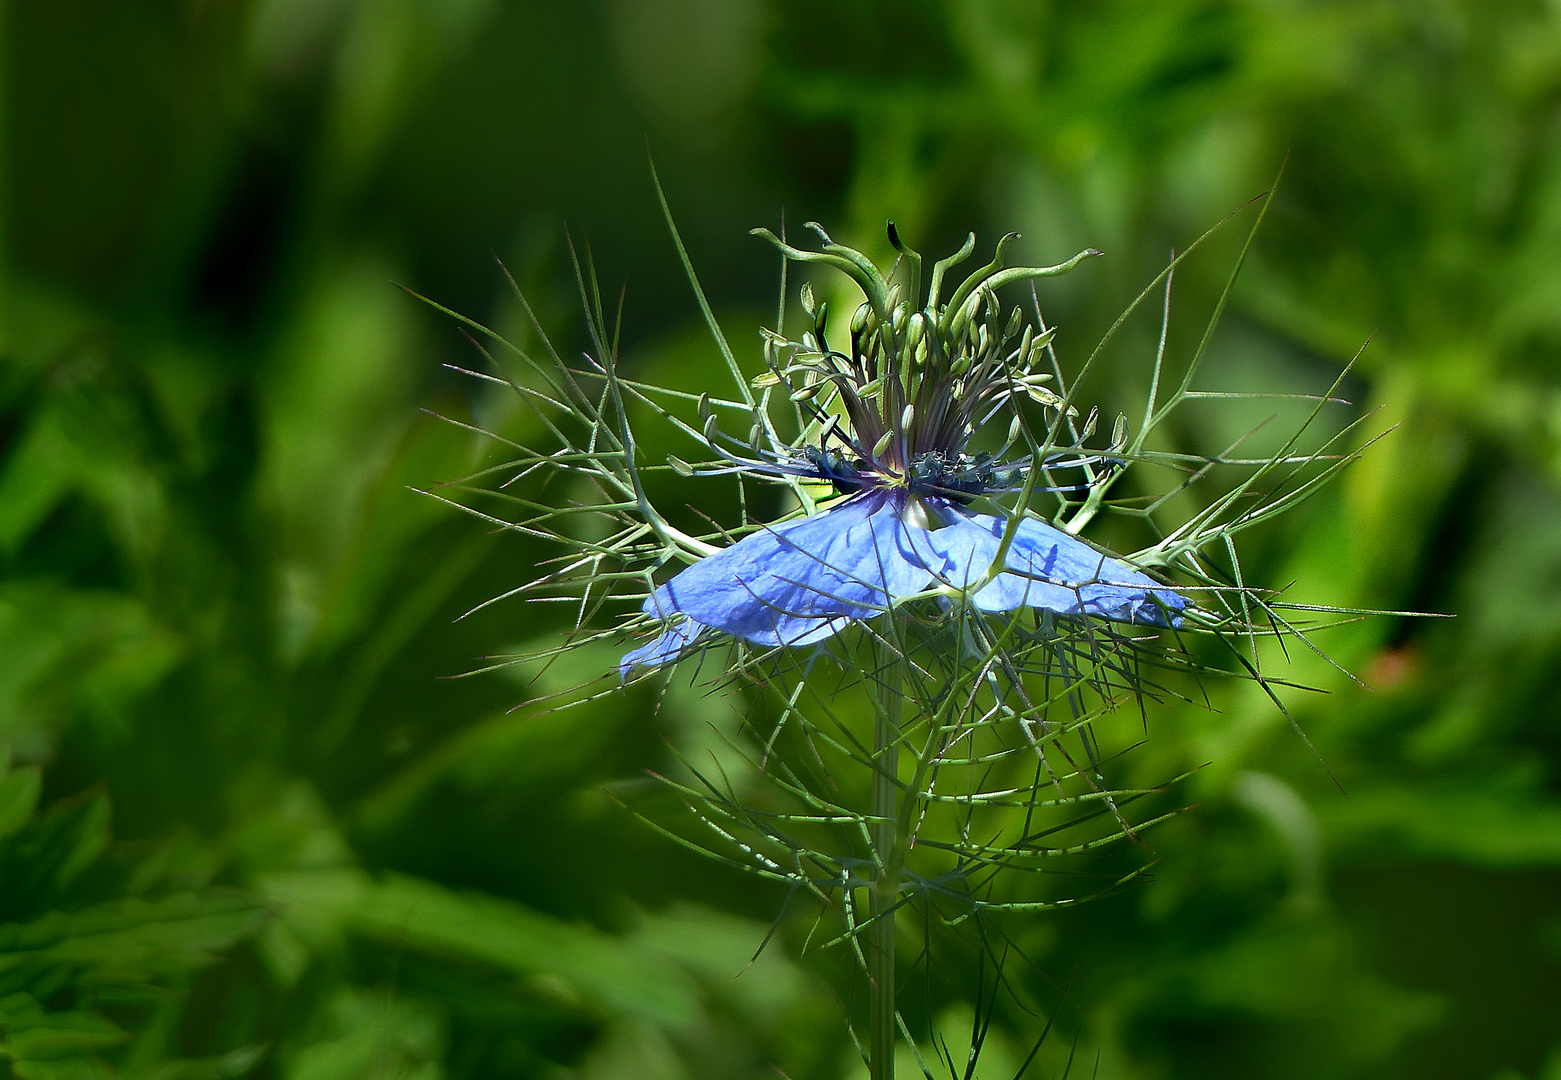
<point x="911" y="443"/>
<point x="888" y="412"/>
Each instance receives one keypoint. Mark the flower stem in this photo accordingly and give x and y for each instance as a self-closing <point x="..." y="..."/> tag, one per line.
<point x="891" y="854"/>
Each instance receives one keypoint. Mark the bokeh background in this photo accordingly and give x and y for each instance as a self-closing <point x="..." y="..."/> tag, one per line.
<point x="248" y="827"/>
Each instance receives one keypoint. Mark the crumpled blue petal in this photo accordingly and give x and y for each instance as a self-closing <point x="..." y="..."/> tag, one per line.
<point x="804" y="581"/>
<point x="669" y="646"/>
<point x="1047" y="568"/>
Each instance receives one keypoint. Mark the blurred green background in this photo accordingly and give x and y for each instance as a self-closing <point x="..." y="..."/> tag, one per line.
<point x="248" y="829"/>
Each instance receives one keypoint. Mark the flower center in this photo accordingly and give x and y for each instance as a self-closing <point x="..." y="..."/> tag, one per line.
<point x="952" y="476"/>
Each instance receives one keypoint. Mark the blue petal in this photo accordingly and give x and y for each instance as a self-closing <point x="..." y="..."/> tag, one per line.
<point x="802" y="581"/>
<point x="1048" y="568"/>
<point x="968" y="546"/>
<point x="669" y="646"/>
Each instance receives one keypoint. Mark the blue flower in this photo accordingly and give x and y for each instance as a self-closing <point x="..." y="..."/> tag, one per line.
<point x="803" y="581"/>
<point x="889" y="412"/>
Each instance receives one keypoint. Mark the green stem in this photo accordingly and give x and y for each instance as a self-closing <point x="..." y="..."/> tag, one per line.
<point x="891" y="854"/>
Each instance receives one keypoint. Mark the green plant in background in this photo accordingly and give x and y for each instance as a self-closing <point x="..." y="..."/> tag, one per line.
<point x="152" y="635"/>
<point x="88" y="936"/>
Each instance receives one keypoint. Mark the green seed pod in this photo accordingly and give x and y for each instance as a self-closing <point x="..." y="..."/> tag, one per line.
<point x="705" y="411"/>
<point x="1119" y="434"/>
<point x="859" y="320"/>
<point x="679" y="466"/>
<point x="1015" y="321"/>
<point x="1025" y="344"/>
<point x="806" y="295"/>
<point x="959" y="326"/>
<point x="1037" y="344"/>
<point x="1090" y="422"/>
<point x="882" y="444"/>
<point x="1046" y="397"/>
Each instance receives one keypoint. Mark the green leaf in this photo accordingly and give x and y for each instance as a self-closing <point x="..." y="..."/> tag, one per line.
<point x="617" y="975"/>
<point x="130" y="942"/>
<point x="1478" y="824"/>
<point x="43" y="1045"/>
<point x="234" y="1063"/>
<point x="370" y="1035"/>
<point x="18" y="798"/>
<point x="45" y="854"/>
